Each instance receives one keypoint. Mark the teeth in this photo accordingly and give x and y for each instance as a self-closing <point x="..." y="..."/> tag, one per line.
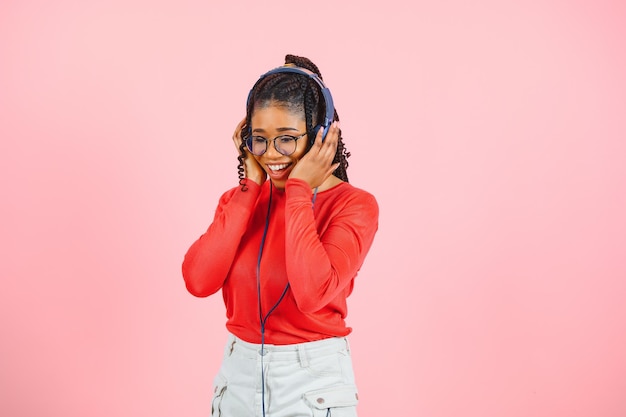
<point x="277" y="167"/>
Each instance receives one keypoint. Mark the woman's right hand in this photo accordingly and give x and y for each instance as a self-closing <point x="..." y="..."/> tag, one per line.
<point x="252" y="168"/>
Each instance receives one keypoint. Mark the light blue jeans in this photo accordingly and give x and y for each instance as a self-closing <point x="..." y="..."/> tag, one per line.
<point x="312" y="379"/>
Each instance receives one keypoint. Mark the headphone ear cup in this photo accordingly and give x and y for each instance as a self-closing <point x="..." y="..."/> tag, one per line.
<point x="314" y="132"/>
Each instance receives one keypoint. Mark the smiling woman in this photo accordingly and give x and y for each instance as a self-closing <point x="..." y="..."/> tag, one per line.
<point x="285" y="253"/>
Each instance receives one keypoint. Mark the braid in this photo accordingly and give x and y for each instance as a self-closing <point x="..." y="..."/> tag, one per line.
<point x="303" y="62"/>
<point x="341" y="156"/>
<point x="240" y="170"/>
<point x="308" y="112"/>
<point x="299" y="93"/>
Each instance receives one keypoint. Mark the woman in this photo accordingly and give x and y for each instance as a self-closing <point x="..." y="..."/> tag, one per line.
<point x="285" y="253"/>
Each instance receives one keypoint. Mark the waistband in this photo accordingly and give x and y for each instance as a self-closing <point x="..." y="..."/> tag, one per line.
<point x="296" y="351"/>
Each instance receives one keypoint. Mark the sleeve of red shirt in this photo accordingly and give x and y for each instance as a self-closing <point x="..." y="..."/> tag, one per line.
<point x="208" y="260"/>
<point x="321" y="267"/>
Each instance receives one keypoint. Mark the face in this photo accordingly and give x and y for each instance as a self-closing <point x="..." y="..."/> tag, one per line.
<point x="269" y="122"/>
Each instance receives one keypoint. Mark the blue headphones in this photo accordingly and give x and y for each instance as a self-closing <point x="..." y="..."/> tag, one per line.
<point x="328" y="98"/>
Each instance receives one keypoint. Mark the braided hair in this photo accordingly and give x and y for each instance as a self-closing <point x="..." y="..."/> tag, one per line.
<point x="298" y="93"/>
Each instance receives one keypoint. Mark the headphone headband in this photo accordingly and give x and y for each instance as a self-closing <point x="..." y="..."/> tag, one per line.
<point x="328" y="99"/>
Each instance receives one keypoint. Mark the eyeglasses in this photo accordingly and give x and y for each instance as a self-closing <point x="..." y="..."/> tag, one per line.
<point x="284" y="144"/>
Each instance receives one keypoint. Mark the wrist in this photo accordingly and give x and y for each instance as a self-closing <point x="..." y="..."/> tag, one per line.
<point x="298" y="185"/>
<point x="257" y="179"/>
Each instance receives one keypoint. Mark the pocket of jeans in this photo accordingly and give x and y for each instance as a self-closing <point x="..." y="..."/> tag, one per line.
<point x="338" y="401"/>
<point x="324" y="366"/>
<point x="219" y="389"/>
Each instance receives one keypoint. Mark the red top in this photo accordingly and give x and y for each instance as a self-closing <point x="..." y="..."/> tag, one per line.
<point x="319" y="252"/>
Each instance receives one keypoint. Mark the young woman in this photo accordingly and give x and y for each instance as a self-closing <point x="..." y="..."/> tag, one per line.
<point x="285" y="252"/>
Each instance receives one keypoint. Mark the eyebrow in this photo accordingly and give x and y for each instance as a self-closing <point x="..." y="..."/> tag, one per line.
<point x="280" y="129"/>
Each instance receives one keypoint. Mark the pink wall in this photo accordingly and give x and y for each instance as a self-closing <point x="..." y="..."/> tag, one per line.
<point x="492" y="135"/>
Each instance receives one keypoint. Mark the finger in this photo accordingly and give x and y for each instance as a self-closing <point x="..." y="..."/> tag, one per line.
<point x="319" y="137"/>
<point x="323" y="143"/>
<point x="237" y="134"/>
<point x="332" y="139"/>
<point x="333" y="134"/>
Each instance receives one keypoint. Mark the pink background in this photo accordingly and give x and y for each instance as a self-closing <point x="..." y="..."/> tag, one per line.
<point x="492" y="133"/>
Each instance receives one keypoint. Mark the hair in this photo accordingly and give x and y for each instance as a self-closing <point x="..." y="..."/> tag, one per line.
<point x="299" y="93"/>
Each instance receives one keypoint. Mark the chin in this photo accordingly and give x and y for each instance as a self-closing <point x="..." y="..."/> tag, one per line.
<point x="280" y="184"/>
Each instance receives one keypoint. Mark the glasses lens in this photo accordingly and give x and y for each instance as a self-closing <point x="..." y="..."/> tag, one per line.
<point x="257" y="145"/>
<point x="285" y="144"/>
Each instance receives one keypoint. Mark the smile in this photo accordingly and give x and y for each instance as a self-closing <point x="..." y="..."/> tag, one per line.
<point x="277" y="167"/>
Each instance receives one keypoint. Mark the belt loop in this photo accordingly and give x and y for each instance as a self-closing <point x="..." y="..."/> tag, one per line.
<point x="231" y="346"/>
<point x="347" y="344"/>
<point x="304" y="361"/>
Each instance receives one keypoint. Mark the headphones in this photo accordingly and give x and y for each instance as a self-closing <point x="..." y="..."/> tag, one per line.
<point x="328" y="98"/>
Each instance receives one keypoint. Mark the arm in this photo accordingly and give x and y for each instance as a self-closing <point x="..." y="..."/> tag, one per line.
<point x="321" y="267"/>
<point x="208" y="260"/>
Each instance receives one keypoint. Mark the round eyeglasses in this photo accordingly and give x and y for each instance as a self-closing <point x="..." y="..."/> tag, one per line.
<point x="284" y="144"/>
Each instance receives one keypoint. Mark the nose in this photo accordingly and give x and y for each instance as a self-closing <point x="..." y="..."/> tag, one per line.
<point x="271" y="150"/>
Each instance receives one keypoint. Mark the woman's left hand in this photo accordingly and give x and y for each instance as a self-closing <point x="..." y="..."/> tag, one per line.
<point x="317" y="165"/>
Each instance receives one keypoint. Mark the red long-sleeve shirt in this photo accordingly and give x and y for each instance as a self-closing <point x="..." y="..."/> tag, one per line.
<point x="319" y="253"/>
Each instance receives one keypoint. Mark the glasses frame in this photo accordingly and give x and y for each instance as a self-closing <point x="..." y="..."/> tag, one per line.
<point x="251" y="138"/>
